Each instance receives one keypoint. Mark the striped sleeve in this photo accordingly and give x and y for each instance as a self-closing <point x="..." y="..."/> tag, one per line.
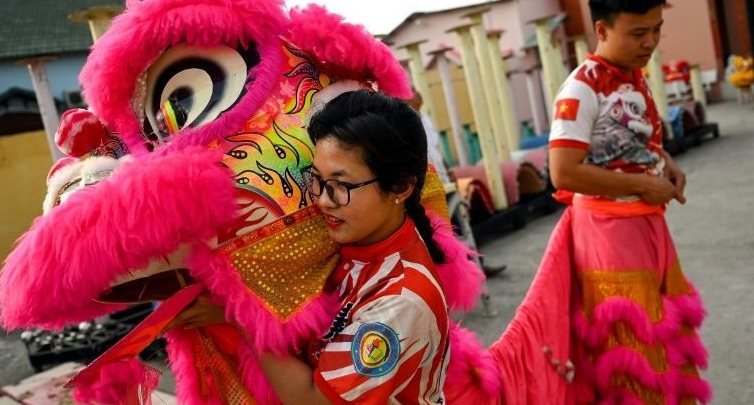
<point x="393" y="338"/>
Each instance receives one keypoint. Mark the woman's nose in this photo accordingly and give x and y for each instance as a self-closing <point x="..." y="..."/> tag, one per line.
<point x="324" y="200"/>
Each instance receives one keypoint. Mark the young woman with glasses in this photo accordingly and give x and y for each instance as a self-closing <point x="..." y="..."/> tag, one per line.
<point x="389" y="342"/>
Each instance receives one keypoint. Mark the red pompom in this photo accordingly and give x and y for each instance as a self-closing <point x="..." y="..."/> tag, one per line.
<point x="80" y="132"/>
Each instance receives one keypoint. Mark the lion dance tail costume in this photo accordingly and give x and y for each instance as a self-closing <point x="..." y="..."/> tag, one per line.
<point x="185" y="177"/>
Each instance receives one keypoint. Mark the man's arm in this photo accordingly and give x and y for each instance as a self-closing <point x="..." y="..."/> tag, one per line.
<point x="569" y="172"/>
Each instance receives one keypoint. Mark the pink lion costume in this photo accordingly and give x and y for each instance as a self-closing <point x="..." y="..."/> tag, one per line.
<point x="185" y="176"/>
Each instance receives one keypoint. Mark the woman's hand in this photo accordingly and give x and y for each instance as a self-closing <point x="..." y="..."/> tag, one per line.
<point x="199" y="313"/>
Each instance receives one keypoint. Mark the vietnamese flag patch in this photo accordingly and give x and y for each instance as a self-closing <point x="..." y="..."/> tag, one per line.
<point x="567" y="109"/>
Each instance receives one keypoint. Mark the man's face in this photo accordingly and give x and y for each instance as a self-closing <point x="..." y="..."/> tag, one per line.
<point x="631" y="39"/>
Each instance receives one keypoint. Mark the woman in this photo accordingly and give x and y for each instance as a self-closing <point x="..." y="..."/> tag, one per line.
<point x="389" y="342"/>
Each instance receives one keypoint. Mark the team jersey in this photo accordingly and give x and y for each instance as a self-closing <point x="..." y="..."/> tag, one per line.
<point x="389" y="343"/>
<point x="611" y="114"/>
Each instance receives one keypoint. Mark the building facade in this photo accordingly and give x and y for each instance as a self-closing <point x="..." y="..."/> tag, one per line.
<point x="720" y="28"/>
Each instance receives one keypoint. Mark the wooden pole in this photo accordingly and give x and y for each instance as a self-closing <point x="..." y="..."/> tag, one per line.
<point x="472" y="74"/>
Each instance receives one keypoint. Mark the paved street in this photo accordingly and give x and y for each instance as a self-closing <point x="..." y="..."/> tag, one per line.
<point x="714" y="234"/>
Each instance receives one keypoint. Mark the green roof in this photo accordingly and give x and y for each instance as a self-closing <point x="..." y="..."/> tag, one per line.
<point x="30" y="28"/>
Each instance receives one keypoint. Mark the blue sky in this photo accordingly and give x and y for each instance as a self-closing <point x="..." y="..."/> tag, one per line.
<point x="381" y="16"/>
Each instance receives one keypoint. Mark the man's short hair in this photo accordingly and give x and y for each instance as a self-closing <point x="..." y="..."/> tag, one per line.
<point x="608" y="10"/>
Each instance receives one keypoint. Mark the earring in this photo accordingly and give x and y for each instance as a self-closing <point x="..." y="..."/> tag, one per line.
<point x="397" y="201"/>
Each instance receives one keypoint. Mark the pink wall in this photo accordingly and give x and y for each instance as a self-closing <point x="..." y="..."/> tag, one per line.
<point x="513" y="16"/>
<point x="687" y="33"/>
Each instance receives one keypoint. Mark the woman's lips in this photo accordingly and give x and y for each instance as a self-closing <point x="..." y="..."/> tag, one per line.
<point x="333" y="222"/>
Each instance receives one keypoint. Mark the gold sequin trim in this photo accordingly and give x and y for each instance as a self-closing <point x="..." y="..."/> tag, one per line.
<point x="210" y="361"/>
<point x="286" y="263"/>
<point x="639" y="286"/>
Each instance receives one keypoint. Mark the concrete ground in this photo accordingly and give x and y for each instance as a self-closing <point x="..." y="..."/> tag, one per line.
<point x="714" y="234"/>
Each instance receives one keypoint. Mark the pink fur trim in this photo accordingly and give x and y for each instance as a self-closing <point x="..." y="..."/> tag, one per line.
<point x="461" y="279"/>
<point x="347" y="50"/>
<point x="119" y="225"/>
<point x="629" y="362"/>
<point x="188" y="382"/>
<point x="473" y="376"/>
<point x="680" y="310"/>
<point x="255" y="379"/>
<point x="120" y="383"/>
<point x="139" y="35"/>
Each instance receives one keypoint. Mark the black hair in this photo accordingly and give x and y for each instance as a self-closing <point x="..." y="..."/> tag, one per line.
<point x="608" y="10"/>
<point x="394" y="145"/>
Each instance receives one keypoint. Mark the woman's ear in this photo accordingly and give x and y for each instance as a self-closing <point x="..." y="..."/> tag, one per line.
<point x="406" y="192"/>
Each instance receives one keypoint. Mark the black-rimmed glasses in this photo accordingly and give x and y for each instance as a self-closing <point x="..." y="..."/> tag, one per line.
<point x="338" y="191"/>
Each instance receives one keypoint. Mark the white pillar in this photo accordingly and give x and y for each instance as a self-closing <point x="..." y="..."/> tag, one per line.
<point x="47" y="109"/>
<point x="472" y="73"/>
<point x="535" y="102"/>
<point x="697" y="86"/>
<point x="419" y="78"/>
<point x="581" y="48"/>
<point x="546" y="49"/>
<point x="452" y="105"/>
<point x="98" y="18"/>
<point x="479" y="39"/>
<point x="558" y="65"/>
<point x="657" y="85"/>
<point x="505" y="96"/>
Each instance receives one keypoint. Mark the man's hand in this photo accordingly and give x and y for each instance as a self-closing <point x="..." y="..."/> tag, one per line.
<point x="676" y="176"/>
<point x="657" y="190"/>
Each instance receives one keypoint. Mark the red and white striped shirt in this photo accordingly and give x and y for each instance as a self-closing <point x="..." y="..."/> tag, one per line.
<point x="389" y="343"/>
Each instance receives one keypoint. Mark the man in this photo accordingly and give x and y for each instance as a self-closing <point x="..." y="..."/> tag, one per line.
<point x="434" y="155"/>
<point x="634" y="314"/>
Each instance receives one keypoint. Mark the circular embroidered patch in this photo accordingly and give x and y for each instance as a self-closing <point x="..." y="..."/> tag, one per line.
<point x="375" y="349"/>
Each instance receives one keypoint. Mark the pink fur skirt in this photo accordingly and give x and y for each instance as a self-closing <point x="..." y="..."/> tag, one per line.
<point x="635" y="315"/>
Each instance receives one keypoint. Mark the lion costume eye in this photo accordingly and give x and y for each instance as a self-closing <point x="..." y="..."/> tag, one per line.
<point x="190" y="86"/>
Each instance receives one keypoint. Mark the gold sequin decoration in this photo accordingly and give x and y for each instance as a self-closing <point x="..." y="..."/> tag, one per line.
<point x="639" y="286"/>
<point x="643" y="287"/>
<point x="210" y="361"/>
<point x="675" y="282"/>
<point x="286" y="267"/>
<point x="647" y="395"/>
<point x="433" y="195"/>
<point x="623" y="336"/>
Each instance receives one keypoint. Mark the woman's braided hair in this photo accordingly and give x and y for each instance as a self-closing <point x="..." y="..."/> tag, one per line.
<point x="394" y="145"/>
